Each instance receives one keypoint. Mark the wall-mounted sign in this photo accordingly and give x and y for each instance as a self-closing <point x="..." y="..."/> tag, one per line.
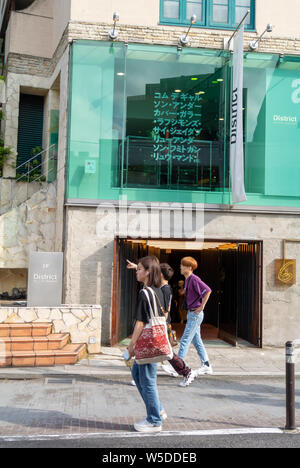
<point x="285" y="271"/>
<point x="45" y="279"/>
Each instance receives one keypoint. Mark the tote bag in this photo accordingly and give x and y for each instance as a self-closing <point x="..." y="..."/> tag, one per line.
<point x="153" y="344"/>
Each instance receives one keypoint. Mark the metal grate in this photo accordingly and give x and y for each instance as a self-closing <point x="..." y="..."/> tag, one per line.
<point x="68" y="381"/>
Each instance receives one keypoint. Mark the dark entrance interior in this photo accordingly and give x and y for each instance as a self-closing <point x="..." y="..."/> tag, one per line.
<point x="231" y="269"/>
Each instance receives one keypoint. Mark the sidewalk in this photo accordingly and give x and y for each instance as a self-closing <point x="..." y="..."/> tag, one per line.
<point x="225" y="360"/>
<point x="94" y="397"/>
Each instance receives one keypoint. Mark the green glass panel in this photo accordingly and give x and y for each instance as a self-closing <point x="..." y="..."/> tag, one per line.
<point x="175" y="119"/>
<point x="151" y="123"/>
<point x="272" y="133"/>
<point x="96" y="117"/>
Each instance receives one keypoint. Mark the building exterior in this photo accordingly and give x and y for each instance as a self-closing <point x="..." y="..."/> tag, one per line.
<point x="141" y="127"/>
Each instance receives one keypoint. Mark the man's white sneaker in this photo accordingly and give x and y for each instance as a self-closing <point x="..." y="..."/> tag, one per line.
<point x="169" y="370"/>
<point x="187" y="380"/>
<point x="204" y="370"/>
<point x="163" y="415"/>
<point x="145" y="426"/>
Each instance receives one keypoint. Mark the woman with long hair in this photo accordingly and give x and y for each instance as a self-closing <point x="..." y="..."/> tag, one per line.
<point x="149" y="273"/>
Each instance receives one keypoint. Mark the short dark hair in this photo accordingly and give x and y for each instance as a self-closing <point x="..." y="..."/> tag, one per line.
<point x="167" y="271"/>
<point x="151" y="264"/>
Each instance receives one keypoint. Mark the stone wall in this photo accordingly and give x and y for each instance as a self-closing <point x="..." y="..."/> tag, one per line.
<point x="28" y="227"/>
<point x="83" y="322"/>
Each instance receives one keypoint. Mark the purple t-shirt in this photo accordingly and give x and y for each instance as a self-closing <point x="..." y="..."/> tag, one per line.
<point x="195" y="289"/>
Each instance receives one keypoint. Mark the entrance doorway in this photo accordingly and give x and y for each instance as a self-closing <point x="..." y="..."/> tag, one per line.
<point x="232" y="270"/>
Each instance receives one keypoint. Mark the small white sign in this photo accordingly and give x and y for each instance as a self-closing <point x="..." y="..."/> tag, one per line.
<point x="90" y="166"/>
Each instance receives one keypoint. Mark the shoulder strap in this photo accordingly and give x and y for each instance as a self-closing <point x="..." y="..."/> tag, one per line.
<point x="160" y="306"/>
<point x="148" y="291"/>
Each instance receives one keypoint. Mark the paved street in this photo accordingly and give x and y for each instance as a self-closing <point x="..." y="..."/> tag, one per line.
<point x="109" y="406"/>
<point x="92" y="404"/>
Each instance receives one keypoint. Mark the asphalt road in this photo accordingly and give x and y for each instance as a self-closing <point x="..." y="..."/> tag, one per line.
<point x="284" y="440"/>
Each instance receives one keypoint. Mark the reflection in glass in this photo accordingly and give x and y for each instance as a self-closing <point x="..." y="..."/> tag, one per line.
<point x="153" y="123"/>
<point x="175" y="121"/>
<point x="171" y="9"/>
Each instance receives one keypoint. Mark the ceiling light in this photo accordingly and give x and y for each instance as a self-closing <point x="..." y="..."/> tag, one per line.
<point x="177" y="90"/>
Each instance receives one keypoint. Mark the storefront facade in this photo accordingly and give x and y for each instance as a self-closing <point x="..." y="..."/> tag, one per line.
<point x="149" y="132"/>
<point x="143" y="155"/>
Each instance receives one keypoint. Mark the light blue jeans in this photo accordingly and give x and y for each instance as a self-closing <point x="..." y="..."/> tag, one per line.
<point x="192" y="334"/>
<point x="144" y="376"/>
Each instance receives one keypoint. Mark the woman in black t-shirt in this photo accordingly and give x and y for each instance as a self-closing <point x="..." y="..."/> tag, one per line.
<point x="149" y="273"/>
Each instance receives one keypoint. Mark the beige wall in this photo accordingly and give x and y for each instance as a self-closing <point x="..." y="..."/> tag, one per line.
<point x="30" y="30"/>
<point x="38" y="29"/>
<point x="61" y="17"/>
<point x="139" y="12"/>
<point x="286" y="21"/>
<point x="284" y="15"/>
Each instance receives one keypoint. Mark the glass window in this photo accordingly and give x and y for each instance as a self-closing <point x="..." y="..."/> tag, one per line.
<point x="175" y="119"/>
<point x="272" y="134"/>
<point x="210" y="13"/>
<point x="220" y="11"/>
<point x="194" y="7"/>
<point x="171" y="9"/>
<point x="151" y="123"/>
<point x="241" y="7"/>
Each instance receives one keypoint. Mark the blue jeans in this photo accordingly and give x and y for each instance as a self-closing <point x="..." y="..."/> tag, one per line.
<point x="192" y="335"/>
<point x="144" y="376"/>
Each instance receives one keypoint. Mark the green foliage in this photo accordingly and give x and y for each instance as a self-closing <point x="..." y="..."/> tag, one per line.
<point x="33" y="168"/>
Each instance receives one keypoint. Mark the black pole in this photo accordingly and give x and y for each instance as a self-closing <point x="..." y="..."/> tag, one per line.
<point x="290" y="386"/>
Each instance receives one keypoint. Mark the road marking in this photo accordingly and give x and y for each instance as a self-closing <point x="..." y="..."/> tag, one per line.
<point x="119" y="435"/>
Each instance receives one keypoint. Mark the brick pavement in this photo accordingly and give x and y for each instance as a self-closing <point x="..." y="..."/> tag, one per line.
<point x="95" y="396"/>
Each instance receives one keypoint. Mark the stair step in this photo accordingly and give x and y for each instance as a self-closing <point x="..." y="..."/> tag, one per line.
<point x="35" y="343"/>
<point x="69" y="354"/>
<point x="25" y="329"/>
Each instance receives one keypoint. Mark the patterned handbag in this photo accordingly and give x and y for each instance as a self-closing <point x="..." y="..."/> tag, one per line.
<point x="153" y="344"/>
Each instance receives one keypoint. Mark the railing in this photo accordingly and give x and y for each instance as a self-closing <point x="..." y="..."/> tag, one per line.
<point x="291" y="356"/>
<point x="39" y="171"/>
<point x="45" y="170"/>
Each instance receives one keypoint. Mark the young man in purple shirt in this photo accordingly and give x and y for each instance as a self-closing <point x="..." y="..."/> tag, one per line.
<point x="196" y="296"/>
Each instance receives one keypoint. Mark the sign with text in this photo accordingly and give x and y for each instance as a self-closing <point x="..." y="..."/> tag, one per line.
<point x="177" y="123"/>
<point x="45" y="279"/>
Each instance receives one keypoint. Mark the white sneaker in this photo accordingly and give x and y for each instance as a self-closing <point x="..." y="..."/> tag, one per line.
<point x="204" y="370"/>
<point x="145" y="426"/>
<point x="163" y="415"/>
<point x="187" y="380"/>
<point x="132" y="382"/>
<point x="169" y="370"/>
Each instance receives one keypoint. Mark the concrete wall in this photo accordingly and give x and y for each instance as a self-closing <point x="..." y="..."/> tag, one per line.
<point x="89" y="259"/>
<point x="30" y="31"/>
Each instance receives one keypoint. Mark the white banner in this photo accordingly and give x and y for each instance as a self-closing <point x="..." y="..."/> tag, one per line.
<point x="236" y="131"/>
